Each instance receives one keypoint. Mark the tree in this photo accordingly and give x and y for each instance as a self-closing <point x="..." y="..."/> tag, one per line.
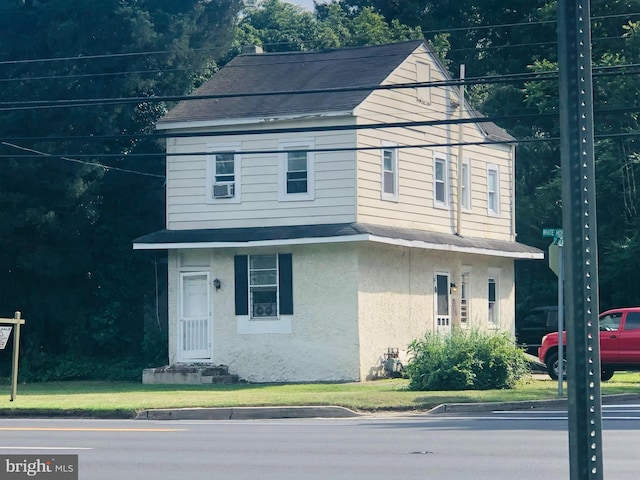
<point x="280" y="26"/>
<point x="502" y="38"/>
<point x="68" y="213"/>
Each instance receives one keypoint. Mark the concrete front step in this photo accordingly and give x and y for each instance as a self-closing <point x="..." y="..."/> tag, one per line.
<point x="220" y="379"/>
<point x="188" y="374"/>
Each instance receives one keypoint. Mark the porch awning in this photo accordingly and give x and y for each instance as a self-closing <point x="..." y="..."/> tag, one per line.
<point x="332" y="233"/>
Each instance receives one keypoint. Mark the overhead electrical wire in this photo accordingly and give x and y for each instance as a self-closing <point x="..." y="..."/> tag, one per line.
<point x="531" y="76"/>
<point x="37" y="154"/>
<point x="332" y="128"/>
<point x="199" y="153"/>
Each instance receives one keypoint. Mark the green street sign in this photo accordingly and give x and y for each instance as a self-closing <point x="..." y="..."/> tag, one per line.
<point x="552" y="232"/>
<point x="556" y="233"/>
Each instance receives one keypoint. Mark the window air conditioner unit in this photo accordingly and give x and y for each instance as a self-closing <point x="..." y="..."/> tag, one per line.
<point x="223" y="190"/>
<point x="264" y="310"/>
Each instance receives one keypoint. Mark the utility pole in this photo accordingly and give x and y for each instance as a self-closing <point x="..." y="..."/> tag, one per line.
<point x="580" y="240"/>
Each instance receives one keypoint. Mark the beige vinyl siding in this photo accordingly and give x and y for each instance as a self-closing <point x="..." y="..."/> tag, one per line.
<point x="414" y="207"/>
<point x="189" y="207"/>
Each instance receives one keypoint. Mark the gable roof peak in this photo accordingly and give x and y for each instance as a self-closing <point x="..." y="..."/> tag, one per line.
<point x="319" y="71"/>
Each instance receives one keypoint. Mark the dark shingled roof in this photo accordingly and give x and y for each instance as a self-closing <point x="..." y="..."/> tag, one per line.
<point x="248" y="235"/>
<point x="253" y="74"/>
<point x="293" y="71"/>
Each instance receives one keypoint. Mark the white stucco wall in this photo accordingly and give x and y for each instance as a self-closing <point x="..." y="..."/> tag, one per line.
<point x="397" y="294"/>
<point x="351" y="303"/>
<point x="319" y="342"/>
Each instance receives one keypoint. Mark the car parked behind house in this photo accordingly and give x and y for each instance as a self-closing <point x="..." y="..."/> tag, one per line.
<point x="535" y="324"/>
<point x="619" y="343"/>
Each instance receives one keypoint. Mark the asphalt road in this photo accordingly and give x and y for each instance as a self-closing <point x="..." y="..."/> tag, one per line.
<point x="496" y="446"/>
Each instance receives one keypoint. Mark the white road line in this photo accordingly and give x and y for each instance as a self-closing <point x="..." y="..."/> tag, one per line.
<point x="45" y="448"/>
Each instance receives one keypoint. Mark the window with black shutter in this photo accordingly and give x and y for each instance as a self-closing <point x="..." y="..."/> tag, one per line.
<point x="264" y="285"/>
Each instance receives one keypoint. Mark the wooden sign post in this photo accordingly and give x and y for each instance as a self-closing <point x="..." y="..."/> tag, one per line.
<point x="17" y="321"/>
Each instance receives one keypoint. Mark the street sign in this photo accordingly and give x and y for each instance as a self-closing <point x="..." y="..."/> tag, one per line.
<point x="556" y="233"/>
<point x="5" y="332"/>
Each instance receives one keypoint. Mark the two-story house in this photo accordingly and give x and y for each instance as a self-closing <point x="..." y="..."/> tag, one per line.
<point x="320" y="210"/>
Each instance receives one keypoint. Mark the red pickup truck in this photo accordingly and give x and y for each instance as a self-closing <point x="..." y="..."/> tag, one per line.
<point x="619" y="343"/>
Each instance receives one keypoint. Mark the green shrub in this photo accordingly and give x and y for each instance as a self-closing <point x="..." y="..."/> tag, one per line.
<point x="53" y="368"/>
<point x="465" y="360"/>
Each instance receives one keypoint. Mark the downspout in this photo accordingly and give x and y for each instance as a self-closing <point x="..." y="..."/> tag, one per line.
<point x="512" y="164"/>
<point x="460" y="153"/>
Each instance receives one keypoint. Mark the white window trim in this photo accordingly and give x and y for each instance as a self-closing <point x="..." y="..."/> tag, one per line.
<point x="466" y="180"/>
<point x="248" y="326"/>
<point x="437" y="203"/>
<point x="389" y="146"/>
<point x="296" y="145"/>
<point x="491" y="210"/>
<point x="212" y="149"/>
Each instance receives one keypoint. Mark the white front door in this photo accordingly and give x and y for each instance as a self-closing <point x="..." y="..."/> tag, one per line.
<point x="442" y="304"/>
<point x="194" y="319"/>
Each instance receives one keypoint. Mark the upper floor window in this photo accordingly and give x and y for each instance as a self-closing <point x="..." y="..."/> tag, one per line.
<point x="389" y="173"/>
<point x="223" y="174"/>
<point x="493" y="190"/>
<point x="296" y="171"/>
<point x="465" y="175"/>
<point x="440" y="176"/>
<point x="297" y="175"/>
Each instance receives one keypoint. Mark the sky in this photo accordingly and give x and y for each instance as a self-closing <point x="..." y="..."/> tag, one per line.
<point x="308" y="4"/>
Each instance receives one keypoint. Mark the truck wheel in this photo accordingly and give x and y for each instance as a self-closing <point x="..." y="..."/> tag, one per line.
<point x="553" y="364"/>
<point x="606" y="374"/>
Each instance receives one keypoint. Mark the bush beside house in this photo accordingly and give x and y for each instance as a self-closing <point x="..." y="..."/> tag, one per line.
<point x="465" y="360"/>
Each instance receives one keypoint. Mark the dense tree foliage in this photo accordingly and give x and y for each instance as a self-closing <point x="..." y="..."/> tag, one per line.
<point x="72" y="197"/>
<point x="280" y="26"/>
<point x="69" y="211"/>
<point x="516" y="37"/>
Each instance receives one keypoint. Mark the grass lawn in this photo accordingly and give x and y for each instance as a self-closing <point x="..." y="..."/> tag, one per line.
<point x="124" y="399"/>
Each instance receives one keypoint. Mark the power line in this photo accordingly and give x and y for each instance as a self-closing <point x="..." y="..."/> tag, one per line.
<point x="327" y="128"/>
<point x="328" y="149"/>
<point x="106" y="168"/>
<point x="81" y="57"/>
<point x="487" y="80"/>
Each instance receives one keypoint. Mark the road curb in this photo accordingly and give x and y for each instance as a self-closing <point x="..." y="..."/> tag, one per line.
<point x="560" y="403"/>
<point x="246" y="413"/>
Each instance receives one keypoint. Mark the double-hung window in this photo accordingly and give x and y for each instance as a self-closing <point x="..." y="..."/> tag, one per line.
<point x="223" y="173"/>
<point x="389" y="172"/>
<point x="440" y="177"/>
<point x="263" y="285"/>
<point x="296" y="171"/>
<point x="493" y="190"/>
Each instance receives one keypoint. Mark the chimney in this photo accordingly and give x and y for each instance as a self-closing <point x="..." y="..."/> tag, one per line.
<point x="252" y="49"/>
